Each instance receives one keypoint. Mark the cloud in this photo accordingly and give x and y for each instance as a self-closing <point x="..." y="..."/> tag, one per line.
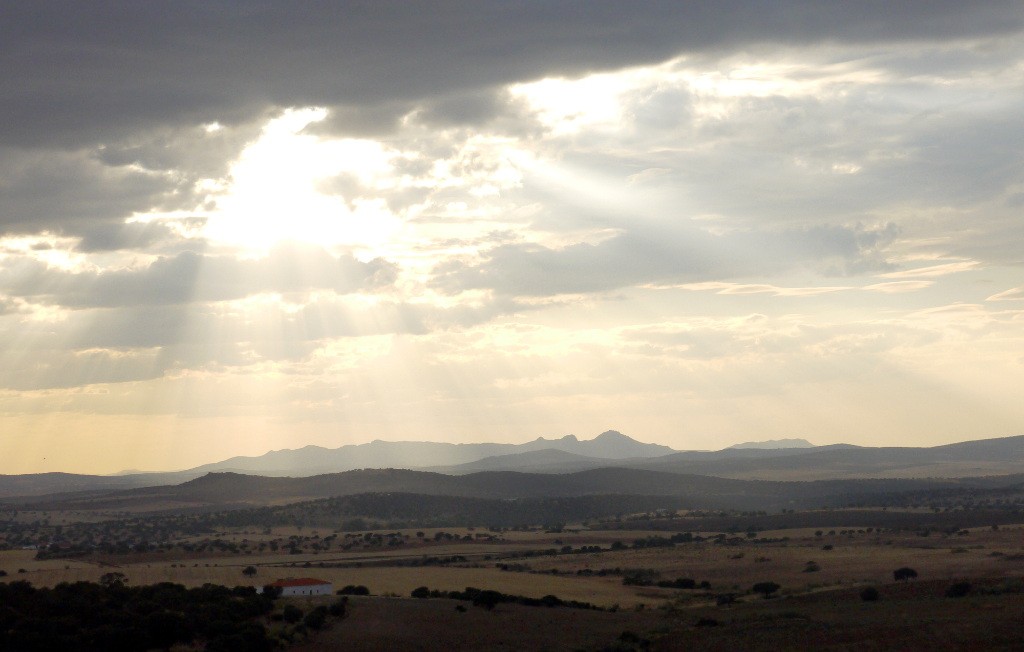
<point x="664" y="256"/>
<point x="1013" y="294"/>
<point x="720" y="287"/>
<point x="70" y="192"/>
<point x="899" y="287"/>
<point x="191" y="277"/>
<point x="933" y="270"/>
<point x="198" y="62"/>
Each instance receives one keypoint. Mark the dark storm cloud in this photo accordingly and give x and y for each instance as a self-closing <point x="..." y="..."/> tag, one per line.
<point x="79" y="73"/>
<point x="191" y="277"/>
<point x="665" y="256"/>
<point x="112" y="236"/>
<point x="48" y="190"/>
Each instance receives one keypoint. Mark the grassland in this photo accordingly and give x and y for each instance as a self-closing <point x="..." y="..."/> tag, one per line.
<point x="820" y="571"/>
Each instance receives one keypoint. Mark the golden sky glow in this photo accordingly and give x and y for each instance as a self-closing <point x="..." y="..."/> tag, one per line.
<point x="791" y="235"/>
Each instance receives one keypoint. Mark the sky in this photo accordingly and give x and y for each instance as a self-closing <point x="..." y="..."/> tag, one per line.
<point x="233" y="227"/>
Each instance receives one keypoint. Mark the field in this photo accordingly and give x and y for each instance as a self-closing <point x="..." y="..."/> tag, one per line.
<point x="649" y="587"/>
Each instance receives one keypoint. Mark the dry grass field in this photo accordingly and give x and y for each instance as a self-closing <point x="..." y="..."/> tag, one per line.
<point x="820" y="573"/>
<point x="854" y="559"/>
<point x="407" y="624"/>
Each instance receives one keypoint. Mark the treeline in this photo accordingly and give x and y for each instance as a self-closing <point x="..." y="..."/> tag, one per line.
<point x="865" y="518"/>
<point x="408" y="510"/>
<point x="488" y="598"/>
<point x="87" y="616"/>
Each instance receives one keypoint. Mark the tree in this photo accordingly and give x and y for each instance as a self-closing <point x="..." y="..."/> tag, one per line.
<point x="249" y="571"/>
<point x="958" y="590"/>
<point x="316" y="618"/>
<point x="272" y="592"/>
<point x="869" y="594"/>
<point x="292" y="614"/>
<point x="113" y="579"/>
<point x="903" y="574"/>
<point x="421" y="592"/>
<point x="487" y="599"/>
<point x="767" y="588"/>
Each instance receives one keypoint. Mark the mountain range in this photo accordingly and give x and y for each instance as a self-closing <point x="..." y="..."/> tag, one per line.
<point x="568" y="455"/>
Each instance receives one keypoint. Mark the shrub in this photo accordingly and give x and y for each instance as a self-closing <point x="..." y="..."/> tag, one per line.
<point x="292" y="614"/>
<point x="272" y="592"/>
<point x="767" y="588"/>
<point x="903" y="574"/>
<point x="958" y="590"/>
<point x="869" y="594"/>
<point x="315" y="619"/>
<point x="337" y="608"/>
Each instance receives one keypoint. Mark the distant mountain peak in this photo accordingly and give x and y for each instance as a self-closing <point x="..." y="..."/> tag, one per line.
<point x="775" y="443"/>
<point x="612" y="434"/>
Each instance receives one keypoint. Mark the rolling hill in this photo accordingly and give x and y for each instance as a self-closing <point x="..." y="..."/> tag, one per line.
<point x="233" y="490"/>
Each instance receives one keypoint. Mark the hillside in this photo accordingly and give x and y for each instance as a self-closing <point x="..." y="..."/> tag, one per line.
<point x="965" y="459"/>
<point x="569" y="455"/>
<point x="315" y="460"/>
<point x="232" y="490"/>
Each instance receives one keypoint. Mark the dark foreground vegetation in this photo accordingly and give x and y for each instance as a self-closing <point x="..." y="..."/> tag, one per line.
<point x="110" y="617"/>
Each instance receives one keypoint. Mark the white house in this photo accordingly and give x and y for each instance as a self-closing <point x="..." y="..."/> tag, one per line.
<point x="304" y="586"/>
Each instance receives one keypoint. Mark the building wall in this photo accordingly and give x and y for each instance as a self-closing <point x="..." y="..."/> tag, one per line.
<point x="316" y="589"/>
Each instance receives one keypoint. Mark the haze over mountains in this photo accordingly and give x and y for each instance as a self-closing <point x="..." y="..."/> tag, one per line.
<point x="313" y="460"/>
<point x="776" y="461"/>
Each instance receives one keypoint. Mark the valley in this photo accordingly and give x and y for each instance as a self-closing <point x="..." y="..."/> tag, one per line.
<point x="658" y="559"/>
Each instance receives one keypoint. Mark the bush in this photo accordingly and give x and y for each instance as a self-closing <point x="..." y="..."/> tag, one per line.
<point x="767" y="588"/>
<point x="337" y="608"/>
<point x="292" y="614"/>
<point x="315" y="619"/>
<point x="354" y="590"/>
<point x="272" y="592"/>
<point x="421" y="592"/>
<point x="869" y="594"/>
<point x="903" y="574"/>
<point x="958" y="590"/>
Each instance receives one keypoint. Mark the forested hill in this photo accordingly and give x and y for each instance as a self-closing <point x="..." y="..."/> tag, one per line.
<point x="232" y="489"/>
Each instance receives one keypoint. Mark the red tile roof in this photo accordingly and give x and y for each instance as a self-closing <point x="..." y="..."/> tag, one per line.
<point x="299" y="581"/>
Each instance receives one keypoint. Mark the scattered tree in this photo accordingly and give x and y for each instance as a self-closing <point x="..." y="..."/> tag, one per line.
<point x="958" y="590"/>
<point x="316" y="618"/>
<point x="292" y="614"/>
<point x="113" y="579"/>
<point x="903" y="574"/>
<point x="767" y="588"/>
<point x="249" y="571"/>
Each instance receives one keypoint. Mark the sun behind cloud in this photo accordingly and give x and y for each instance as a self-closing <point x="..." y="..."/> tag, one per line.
<point x="274" y="192"/>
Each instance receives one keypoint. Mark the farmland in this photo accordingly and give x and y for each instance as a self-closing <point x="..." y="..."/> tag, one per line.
<point x="654" y="583"/>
